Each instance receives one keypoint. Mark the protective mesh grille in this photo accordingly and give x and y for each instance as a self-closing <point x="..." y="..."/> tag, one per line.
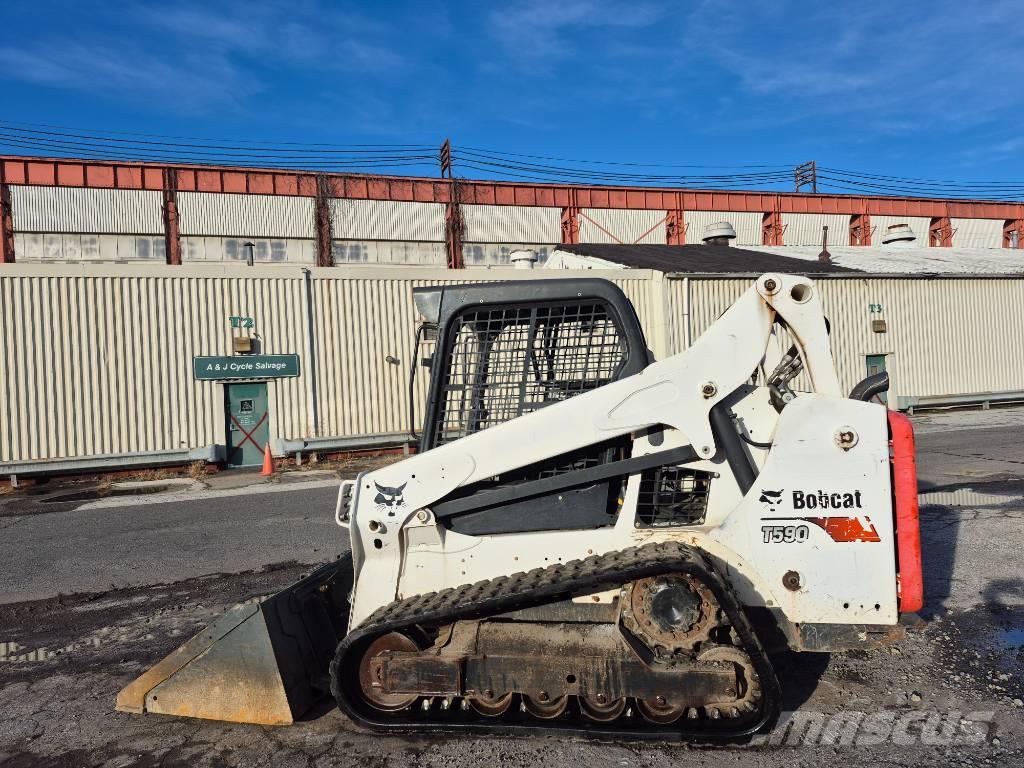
<point x="672" y="496"/>
<point x="504" y="362"/>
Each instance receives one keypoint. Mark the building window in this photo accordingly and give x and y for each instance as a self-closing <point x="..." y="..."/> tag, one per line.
<point x="347" y="253"/>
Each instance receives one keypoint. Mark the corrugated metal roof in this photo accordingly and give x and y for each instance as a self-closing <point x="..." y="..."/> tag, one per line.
<point x="912" y="260"/>
<point x="699" y="259"/>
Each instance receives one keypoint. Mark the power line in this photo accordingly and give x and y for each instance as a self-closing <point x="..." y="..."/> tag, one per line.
<point x="866" y="187"/>
<point x="787" y="168"/>
<point x="540" y="170"/>
<point x="190" y="152"/>
<point x="918" y="181"/>
<point x="107" y="132"/>
<point x="79" y="143"/>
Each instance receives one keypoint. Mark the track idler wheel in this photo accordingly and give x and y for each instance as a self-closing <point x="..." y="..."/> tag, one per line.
<point x="371" y="685"/>
<point x="544" y="708"/>
<point x="601" y="709"/>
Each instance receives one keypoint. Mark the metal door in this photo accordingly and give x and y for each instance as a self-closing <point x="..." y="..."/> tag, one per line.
<point x="876" y="364"/>
<point x="248" y="428"/>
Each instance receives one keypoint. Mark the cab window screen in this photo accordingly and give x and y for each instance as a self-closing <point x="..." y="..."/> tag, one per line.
<point x="504" y="362"/>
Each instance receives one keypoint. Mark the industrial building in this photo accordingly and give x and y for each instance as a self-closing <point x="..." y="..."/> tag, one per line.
<point x="136" y="333"/>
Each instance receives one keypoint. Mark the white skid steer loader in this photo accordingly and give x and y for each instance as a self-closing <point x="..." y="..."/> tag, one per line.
<point x="589" y="542"/>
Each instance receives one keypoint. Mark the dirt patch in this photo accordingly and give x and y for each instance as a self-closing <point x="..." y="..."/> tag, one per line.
<point x="59" y="708"/>
<point x="76" y="633"/>
<point x="345" y="465"/>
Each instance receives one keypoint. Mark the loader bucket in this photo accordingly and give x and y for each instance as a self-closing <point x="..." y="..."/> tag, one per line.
<point x="263" y="663"/>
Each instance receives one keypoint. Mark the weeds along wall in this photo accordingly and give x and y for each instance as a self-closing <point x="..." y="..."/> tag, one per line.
<point x="97" y="359"/>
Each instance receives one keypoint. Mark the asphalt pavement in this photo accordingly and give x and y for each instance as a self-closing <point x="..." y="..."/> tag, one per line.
<point x="243" y="523"/>
<point x="62" y="660"/>
<point x="114" y="543"/>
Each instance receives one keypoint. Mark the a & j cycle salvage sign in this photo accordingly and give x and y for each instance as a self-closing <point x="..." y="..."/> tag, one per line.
<point x="218" y="368"/>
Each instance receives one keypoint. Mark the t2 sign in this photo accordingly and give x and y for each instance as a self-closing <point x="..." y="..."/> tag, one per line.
<point x="238" y="321"/>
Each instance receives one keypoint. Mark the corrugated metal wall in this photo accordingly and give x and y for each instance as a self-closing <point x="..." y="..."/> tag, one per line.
<point x="920" y="225"/>
<point x="613" y="225"/>
<point x="93" y="211"/>
<point x="512" y="224"/>
<point x="97" y="359"/>
<point x="212" y="213"/>
<point x="944" y="337"/>
<point x="99" y="362"/>
<point x="747" y="225"/>
<point x="365" y="316"/>
<point x="805" y="228"/>
<point x="387" y="220"/>
<point x="977" y="233"/>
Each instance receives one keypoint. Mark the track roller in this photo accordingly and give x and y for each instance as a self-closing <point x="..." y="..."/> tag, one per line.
<point x="601" y="709"/>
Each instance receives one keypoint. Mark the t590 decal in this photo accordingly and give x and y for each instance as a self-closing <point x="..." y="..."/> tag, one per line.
<point x="839" y="528"/>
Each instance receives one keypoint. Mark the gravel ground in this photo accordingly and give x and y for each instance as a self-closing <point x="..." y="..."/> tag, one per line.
<point x="951" y="693"/>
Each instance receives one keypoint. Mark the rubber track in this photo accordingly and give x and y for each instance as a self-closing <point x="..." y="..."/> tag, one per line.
<point x="544" y="585"/>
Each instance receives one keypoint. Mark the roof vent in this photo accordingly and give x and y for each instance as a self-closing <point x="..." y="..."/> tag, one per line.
<point x="898" y="233"/>
<point x="719" y="233"/>
<point x="523" y="259"/>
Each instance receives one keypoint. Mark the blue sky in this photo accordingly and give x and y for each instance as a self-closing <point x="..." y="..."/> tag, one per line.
<point x="922" y="89"/>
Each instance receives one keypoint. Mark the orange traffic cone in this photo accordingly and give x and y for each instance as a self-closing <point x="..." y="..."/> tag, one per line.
<point x="268" y="462"/>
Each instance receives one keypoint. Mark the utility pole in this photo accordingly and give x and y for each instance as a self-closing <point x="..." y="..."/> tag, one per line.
<point x="806" y="175"/>
<point x="454" y="224"/>
<point x="446" y="159"/>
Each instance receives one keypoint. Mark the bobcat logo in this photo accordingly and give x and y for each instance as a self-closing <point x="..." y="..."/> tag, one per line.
<point x="389" y="498"/>
<point x="771" y="498"/>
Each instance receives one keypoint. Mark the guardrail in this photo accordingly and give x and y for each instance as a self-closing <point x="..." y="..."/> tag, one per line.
<point x="984" y="399"/>
<point x="210" y="454"/>
<point x="110" y="462"/>
<point x="281" y="447"/>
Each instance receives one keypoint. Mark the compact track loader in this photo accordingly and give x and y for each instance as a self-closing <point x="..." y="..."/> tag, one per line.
<point x="589" y="541"/>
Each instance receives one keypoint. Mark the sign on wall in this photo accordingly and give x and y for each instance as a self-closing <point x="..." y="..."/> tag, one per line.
<point x="219" y="368"/>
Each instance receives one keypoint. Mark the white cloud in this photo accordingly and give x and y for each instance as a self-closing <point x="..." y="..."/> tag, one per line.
<point x="937" y="64"/>
<point x="196" y="58"/>
<point x="534" y="34"/>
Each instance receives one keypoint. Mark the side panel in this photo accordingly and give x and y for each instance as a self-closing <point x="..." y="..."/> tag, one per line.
<point x="816" y="533"/>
